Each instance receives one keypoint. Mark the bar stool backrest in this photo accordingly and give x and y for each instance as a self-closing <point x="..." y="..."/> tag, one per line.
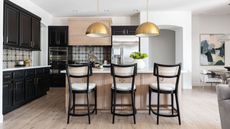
<point x="78" y="71"/>
<point x="124" y="71"/>
<point x="167" y="71"/>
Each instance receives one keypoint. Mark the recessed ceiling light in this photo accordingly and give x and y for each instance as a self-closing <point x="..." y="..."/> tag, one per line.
<point x="107" y="10"/>
<point x="135" y="10"/>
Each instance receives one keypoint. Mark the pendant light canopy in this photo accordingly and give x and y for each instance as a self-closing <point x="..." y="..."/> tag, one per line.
<point x="97" y="29"/>
<point x="147" y="29"/>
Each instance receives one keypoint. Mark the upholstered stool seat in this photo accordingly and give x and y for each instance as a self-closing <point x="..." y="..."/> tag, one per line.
<point x="124" y="86"/>
<point x="163" y="86"/>
<point x="82" y="86"/>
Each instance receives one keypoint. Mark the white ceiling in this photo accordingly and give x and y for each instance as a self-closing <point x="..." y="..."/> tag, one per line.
<point x="67" y="8"/>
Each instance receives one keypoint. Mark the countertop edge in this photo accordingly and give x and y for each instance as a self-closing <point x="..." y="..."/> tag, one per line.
<point x="22" y="68"/>
<point x="107" y="71"/>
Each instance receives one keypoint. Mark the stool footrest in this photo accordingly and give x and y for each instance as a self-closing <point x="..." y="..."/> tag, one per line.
<point x="81" y="114"/>
<point x="175" y="112"/>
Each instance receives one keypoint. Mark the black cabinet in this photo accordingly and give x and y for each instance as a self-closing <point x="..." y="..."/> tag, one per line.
<point x="58" y="80"/>
<point x="21" y="27"/>
<point x="25" y="30"/>
<point x="58" y="36"/>
<point x="29" y="89"/>
<point x="124" y="30"/>
<point x="36" y="34"/>
<point x="42" y="81"/>
<point x="7" y="92"/>
<point x="11" y="26"/>
<point x="19" y="92"/>
<point x="22" y="86"/>
<point x="30" y="85"/>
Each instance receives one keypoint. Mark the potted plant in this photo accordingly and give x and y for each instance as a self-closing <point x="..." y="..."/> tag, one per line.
<point x="138" y="58"/>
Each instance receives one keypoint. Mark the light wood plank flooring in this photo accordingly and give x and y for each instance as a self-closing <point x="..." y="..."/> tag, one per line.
<point x="199" y="110"/>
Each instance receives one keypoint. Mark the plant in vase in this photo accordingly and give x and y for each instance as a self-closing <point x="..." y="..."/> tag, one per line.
<point x="138" y="58"/>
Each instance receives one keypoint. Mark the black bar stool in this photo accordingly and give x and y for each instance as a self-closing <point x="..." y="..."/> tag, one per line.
<point x="123" y="71"/>
<point x="162" y="71"/>
<point x="80" y="71"/>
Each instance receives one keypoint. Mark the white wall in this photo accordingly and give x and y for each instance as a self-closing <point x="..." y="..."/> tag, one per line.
<point x="44" y="45"/>
<point x="179" y="45"/>
<point x="175" y="18"/>
<point x="116" y="20"/>
<point x="162" y="48"/>
<point x="207" y="24"/>
<point x="30" y="6"/>
<point x="1" y="59"/>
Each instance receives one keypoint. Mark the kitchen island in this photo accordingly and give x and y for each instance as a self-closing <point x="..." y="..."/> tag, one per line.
<point x="103" y="80"/>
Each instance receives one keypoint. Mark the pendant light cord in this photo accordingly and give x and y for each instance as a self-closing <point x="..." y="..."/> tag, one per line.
<point x="147" y="8"/>
<point x="98" y="7"/>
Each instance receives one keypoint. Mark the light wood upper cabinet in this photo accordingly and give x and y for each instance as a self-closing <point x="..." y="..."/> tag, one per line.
<point x="77" y="29"/>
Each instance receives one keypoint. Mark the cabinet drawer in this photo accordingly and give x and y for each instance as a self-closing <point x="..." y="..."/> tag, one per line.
<point x="18" y="74"/>
<point x="39" y="71"/>
<point x="7" y="76"/>
<point x="30" y="73"/>
<point x="47" y="70"/>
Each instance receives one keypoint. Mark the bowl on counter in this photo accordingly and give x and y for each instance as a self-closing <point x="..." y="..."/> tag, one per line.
<point x="20" y="63"/>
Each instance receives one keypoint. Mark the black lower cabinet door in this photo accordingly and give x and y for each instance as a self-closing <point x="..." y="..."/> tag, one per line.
<point x="40" y="86"/>
<point x="7" y="97"/>
<point x="19" y="92"/>
<point x="47" y="79"/>
<point x="29" y="89"/>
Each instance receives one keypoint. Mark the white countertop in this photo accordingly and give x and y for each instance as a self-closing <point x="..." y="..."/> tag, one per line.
<point x="21" y="68"/>
<point x="107" y="70"/>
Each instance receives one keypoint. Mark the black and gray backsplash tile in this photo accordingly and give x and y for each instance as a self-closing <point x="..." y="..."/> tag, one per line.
<point x="12" y="55"/>
<point x="81" y="54"/>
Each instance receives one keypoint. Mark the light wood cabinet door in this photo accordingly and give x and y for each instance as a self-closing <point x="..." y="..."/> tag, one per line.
<point x="78" y="27"/>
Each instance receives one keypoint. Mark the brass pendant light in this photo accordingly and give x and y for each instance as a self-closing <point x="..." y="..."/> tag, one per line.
<point x="97" y="29"/>
<point x="147" y="29"/>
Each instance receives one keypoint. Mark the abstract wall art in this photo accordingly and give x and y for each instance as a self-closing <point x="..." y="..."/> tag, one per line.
<point x="212" y="49"/>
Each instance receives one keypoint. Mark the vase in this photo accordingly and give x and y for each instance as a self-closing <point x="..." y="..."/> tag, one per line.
<point x="140" y="63"/>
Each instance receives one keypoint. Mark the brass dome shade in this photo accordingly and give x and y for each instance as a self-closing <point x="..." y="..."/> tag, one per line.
<point x="97" y="29"/>
<point x="147" y="29"/>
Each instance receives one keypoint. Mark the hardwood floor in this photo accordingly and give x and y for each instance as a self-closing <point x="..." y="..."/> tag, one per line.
<point x="199" y="110"/>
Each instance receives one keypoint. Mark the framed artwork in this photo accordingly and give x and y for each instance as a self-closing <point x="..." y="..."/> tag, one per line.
<point x="212" y="49"/>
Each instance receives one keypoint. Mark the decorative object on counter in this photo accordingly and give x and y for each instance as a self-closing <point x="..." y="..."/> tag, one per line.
<point x="138" y="58"/>
<point x="20" y="63"/>
<point x="92" y="57"/>
<point x="97" y="29"/>
<point x="27" y="62"/>
<point x="212" y="49"/>
<point x="147" y="29"/>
